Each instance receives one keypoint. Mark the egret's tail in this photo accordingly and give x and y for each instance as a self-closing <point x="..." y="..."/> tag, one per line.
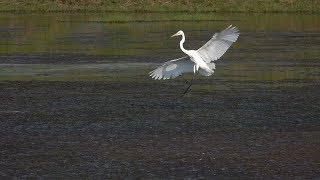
<point x="208" y="71"/>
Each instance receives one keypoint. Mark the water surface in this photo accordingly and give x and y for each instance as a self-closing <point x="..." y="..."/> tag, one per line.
<point x="77" y="99"/>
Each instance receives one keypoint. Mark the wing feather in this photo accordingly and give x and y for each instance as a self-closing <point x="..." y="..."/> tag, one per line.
<point x="173" y="68"/>
<point x="219" y="44"/>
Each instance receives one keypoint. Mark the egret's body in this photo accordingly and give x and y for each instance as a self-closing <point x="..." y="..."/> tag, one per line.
<point x="198" y="60"/>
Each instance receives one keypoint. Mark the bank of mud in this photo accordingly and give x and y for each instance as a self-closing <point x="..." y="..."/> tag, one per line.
<point x="103" y="129"/>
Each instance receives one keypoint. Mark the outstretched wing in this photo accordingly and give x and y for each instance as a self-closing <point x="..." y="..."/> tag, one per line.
<point x="173" y="68"/>
<point x="218" y="44"/>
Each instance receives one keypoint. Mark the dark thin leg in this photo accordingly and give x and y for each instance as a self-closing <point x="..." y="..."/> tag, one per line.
<point x="189" y="85"/>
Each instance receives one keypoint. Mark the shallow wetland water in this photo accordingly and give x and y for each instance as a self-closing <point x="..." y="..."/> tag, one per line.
<point x="76" y="99"/>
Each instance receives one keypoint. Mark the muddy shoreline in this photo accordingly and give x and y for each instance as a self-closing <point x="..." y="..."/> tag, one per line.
<point x="118" y="130"/>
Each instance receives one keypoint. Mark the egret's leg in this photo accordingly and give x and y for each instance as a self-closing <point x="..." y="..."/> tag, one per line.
<point x="189" y="85"/>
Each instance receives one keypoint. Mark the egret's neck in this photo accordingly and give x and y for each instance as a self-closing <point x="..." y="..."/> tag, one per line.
<point x="181" y="44"/>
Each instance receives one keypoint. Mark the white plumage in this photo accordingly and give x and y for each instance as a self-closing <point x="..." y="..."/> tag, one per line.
<point x="199" y="60"/>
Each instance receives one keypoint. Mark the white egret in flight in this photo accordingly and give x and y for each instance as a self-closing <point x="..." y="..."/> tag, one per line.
<point x="198" y="60"/>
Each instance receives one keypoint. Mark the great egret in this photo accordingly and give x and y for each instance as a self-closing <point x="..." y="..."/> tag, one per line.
<point x="198" y="60"/>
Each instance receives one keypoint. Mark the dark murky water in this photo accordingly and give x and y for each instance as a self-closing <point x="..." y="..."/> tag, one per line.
<point x="76" y="100"/>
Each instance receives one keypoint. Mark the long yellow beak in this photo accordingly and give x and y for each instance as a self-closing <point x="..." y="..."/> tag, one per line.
<point x="176" y="34"/>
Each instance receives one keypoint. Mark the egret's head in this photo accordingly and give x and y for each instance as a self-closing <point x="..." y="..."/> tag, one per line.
<point x="178" y="33"/>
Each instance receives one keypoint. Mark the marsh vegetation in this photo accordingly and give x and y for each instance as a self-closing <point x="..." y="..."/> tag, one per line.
<point x="306" y="6"/>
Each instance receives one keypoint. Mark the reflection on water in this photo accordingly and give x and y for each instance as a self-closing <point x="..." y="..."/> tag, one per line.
<point x="93" y="34"/>
<point x="271" y="47"/>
